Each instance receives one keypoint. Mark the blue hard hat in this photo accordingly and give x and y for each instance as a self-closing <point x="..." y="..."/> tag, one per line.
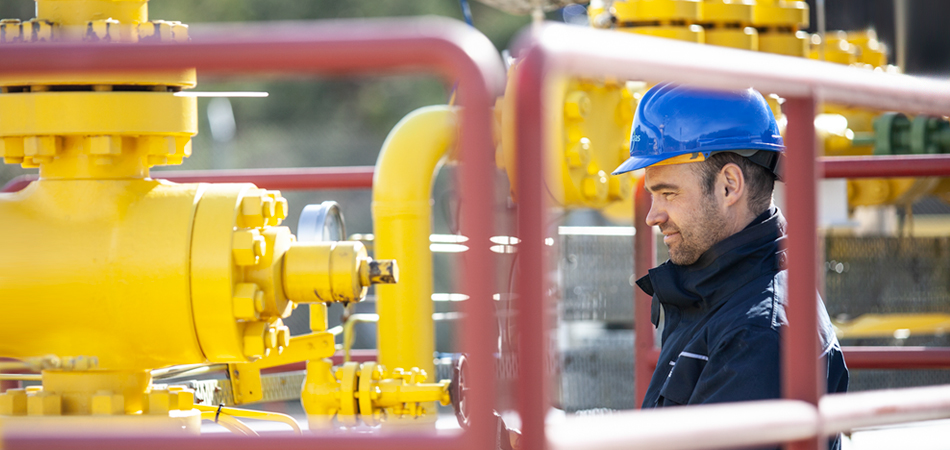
<point x="677" y="124"/>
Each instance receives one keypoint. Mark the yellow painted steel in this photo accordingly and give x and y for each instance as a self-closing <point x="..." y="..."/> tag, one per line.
<point x="320" y="395"/>
<point x="246" y="382"/>
<point x="250" y="414"/>
<point x="631" y="11"/>
<point x="893" y="326"/>
<point x="672" y="19"/>
<point x="94" y="255"/>
<point x="872" y="52"/>
<point x="402" y="188"/>
<point x="176" y="423"/>
<point x="590" y="137"/>
<point x="367" y="393"/>
<point x="729" y="24"/>
<point x="78" y="12"/>
<point x="836" y="49"/>
<point x="780" y="23"/>
<point x="71" y="113"/>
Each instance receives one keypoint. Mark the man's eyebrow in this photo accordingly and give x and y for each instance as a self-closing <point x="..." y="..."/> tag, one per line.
<point x="663" y="187"/>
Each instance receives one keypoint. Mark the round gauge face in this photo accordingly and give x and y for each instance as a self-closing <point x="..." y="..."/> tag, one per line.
<point x="320" y="223"/>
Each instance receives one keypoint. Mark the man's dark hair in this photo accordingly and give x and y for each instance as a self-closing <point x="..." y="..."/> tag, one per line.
<point x="758" y="179"/>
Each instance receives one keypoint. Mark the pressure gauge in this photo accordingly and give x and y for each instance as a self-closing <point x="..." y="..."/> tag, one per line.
<point x="319" y="223"/>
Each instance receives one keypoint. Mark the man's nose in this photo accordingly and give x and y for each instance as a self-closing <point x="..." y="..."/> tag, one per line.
<point x="656" y="215"/>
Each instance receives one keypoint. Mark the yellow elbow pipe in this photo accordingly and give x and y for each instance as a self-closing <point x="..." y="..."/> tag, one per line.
<point x="402" y="217"/>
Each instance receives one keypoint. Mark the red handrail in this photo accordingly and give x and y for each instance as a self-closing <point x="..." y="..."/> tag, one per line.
<point x="359" y="177"/>
<point x="446" y="48"/>
<point x="885" y="166"/>
<point x="552" y="51"/>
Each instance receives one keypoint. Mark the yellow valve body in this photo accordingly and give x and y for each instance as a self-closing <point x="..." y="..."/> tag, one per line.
<point x="590" y="138"/>
<point x="325" y="272"/>
<point x="99" y="258"/>
<point x="368" y="393"/>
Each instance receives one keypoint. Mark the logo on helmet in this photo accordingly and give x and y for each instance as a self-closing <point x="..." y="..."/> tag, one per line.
<point x="635" y="138"/>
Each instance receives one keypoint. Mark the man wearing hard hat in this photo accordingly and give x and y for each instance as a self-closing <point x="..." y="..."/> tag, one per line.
<point x="711" y="160"/>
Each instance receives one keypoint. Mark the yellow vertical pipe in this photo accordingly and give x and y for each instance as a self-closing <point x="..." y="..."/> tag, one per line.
<point x="402" y="217"/>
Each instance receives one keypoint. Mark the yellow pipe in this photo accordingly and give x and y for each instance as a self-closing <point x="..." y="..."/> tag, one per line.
<point x="349" y="333"/>
<point x="233" y="425"/>
<point x="249" y="414"/>
<point x="402" y="210"/>
<point x="21" y="377"/>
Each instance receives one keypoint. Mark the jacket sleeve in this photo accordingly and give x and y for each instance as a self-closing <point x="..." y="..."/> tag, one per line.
<point x="743" y="365"/>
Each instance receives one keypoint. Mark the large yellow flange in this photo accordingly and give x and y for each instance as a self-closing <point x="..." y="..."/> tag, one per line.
<point x="97" y="113"/>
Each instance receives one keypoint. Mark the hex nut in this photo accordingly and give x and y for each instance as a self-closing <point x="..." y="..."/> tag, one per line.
<point x="283" y="336"/>
<point x="576" y="105"/>
<point x="158" y="402"/>
<point x="44" y="404"/>
<point x="254" y="339"/>
<point x="578" y="155"/>
<point x="270" y="338"/>
<point x="244" y="302"/>
<point x="281" y="207"/>
<point x="252" y="207"/>
<point x="247" y="246"/>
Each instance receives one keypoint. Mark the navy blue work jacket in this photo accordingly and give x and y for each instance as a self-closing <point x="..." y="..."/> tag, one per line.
<point x="720" y="320"/>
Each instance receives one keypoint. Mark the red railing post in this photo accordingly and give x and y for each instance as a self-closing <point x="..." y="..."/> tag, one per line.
<point x="800" y="344"/>
<point x="644" y="254"/>
<point x="532" y="340"/>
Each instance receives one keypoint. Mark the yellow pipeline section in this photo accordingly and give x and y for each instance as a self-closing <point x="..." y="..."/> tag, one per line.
<point x="402" y="188"/>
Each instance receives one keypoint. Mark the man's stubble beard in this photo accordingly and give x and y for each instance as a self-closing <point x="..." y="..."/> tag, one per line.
<point x="707" y="230"/>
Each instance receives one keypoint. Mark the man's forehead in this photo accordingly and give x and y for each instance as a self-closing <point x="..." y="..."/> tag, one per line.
<point x="672" y="175"/>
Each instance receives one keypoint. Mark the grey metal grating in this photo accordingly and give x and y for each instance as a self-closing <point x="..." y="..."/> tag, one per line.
<point x="596" y="274"/>
<point x="598" y="373"/>
<point x="886" y="275"/>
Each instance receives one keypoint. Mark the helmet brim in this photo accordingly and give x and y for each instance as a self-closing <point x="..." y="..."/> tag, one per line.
<point x="639" y="162"/>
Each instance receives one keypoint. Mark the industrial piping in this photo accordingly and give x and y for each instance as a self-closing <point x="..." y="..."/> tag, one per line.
<point x="402" y="221"/>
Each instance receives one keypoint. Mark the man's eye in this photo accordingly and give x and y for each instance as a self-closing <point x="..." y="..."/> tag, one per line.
<point x="668" y="195"/>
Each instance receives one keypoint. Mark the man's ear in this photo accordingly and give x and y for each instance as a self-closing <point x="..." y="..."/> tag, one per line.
<point x="733" y="183"/>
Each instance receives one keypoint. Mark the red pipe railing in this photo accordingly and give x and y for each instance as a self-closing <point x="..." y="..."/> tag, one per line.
<point x="359" y="177"/>
<point x="553" y="51"/>
<point x="897" y="357"/>
<point x="802" y="378"/>
<point x="644" y="254"/>
<point x="442" y="47"/>
<point x="885" y="166"/>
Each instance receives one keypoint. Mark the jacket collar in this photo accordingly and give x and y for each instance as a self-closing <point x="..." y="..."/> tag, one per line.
<point x="724" y="268"/>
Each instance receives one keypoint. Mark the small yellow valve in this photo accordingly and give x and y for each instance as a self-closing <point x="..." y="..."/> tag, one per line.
<point x="367" y="393"/>
<point x="333" y="272"/>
